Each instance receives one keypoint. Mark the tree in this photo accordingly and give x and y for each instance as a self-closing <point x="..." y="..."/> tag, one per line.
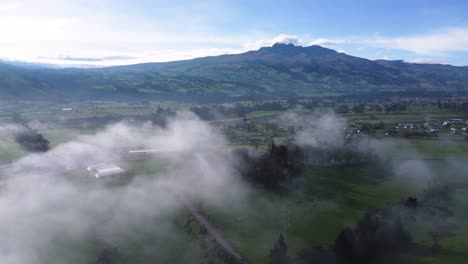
<point x="366" y="129"/>
<point x="378" y="108"/>
<point x="344" y="245"/>
<point x="371" y="238"/>
<point x="342" y="109"/>
<point x="358" y="109"/>
<point x="108" y="256"/>
<point x="31" y="140"/>
<point x="292" y="102"/>
<point x="278" y="255"/>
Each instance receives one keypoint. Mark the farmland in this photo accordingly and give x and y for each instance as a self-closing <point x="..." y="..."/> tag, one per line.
<point x="309" y="210"/>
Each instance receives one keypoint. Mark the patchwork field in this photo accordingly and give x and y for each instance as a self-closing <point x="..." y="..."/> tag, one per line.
<point x="310" y="211"/>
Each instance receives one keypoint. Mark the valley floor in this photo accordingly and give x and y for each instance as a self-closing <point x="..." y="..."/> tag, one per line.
<point x="310" y="211"/>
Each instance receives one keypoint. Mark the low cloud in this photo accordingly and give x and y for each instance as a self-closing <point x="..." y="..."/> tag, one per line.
<point x="428" y="61"/>
<point x="321" y="130"/>
<point x="287" y="39"/>
<point x="85" y="60"/>
<point x="326" y="42"/>
<point x="48" y="199"/>
<point x="8" y="7"/>
<point x="281" y="38"/>
<point x="96" y="59"/>
<point x="438" y="42"/>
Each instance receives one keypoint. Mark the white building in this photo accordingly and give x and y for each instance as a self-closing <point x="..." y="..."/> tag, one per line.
<point x="106" y="170"/>
<point x="143" y="153"/>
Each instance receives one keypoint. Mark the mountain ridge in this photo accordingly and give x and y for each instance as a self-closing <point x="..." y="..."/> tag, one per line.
<point x="278" y="71"/>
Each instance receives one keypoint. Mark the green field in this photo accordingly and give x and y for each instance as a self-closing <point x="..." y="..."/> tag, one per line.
<point x="311" y="211"/>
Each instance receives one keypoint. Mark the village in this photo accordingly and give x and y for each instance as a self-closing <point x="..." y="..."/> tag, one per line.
<point x="260" y="132"/>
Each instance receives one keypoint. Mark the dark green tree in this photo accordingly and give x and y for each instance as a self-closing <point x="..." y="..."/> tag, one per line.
<point x="278" y="255"/>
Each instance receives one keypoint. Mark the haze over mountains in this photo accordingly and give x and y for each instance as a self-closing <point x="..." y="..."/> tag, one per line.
<point x="282" y="70"/>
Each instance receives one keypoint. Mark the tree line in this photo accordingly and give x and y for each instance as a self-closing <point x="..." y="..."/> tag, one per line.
<point x="371" y="107"/>
<point x="371" y="239"/>
<point x="284" y="162"/>
<point x="454" y="105"/>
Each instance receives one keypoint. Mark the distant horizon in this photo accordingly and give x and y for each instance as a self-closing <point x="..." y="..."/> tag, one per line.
<point x="117" y="32"/>
<point x="26" y="64"/>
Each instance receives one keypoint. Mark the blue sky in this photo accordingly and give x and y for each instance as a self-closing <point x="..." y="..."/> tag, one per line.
<point x="110" y="32"/>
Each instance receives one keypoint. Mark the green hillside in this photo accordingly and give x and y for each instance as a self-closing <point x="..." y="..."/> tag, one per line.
<point x="278" y="71"/>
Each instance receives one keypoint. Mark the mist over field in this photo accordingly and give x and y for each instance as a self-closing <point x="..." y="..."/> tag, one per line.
<point x="43" y="205"/>
<point x="228" y="132"/>
<point x="321" y="130"/>
<point x="52" y="207"/>
<point x="405" y="164"/>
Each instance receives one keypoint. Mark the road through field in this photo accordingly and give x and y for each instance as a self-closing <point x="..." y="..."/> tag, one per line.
<point x="220" y="240"/>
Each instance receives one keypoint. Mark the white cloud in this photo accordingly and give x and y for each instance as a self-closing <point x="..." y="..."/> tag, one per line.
<point x="326" y="42"/>
<point x="281" y="38"/>
<point x="54" y="210"/>
<point x="53" y="31"/>
<point x="427" y="61"/>
<point x="445" y="40"/>
<point x="287" y="39"/>
<point x="382" y="55"/>
<point x="8" y="6"/>
<point x="103" y="58"/>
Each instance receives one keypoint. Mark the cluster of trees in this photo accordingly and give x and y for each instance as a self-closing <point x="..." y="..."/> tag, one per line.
<point x="279" y="255"/>
<point x="33" y="141"/>
<point x="353" y="152"/>
<point x="159" y="117"/>
<point x="379" y="233"/>
<point x="460" y="105"/>
<point x="371" y="239"/>
<point x="236" y="110"/>
<point x="210" y="112"/>
<point x="94" y="121"/>
<point x="345" y="109"/>
<point x="108" y="256"/>
<point x="28" y="138"/>
<point x="363" y="107"/>
<point x="413" y="133"/>
<point x="283" y="162"/>
<point x="274" y="167"/>
<point x="394" y="107"/>
<point x="368" y="128"/>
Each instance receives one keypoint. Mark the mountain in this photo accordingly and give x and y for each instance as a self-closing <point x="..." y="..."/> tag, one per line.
<point x="278" y="71"/>
<point x="29" y="65"/>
